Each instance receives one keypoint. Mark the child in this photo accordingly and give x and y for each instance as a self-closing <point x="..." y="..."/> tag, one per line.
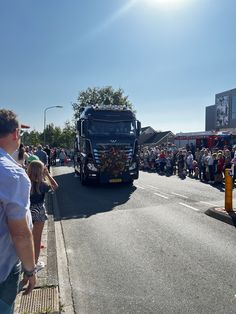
<point x="41" y="183"/>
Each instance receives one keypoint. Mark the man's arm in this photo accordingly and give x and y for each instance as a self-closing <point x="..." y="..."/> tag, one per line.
<point x="23" y="241"/>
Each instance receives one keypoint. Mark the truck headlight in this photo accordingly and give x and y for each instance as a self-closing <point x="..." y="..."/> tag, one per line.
<point x="133" y="166"/>
<point x="91" y="167"/>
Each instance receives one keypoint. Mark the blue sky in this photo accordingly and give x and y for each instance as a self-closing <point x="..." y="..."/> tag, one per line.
<point x="169" y="56"/>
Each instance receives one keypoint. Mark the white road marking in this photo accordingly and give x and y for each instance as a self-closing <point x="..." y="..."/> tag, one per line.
<point x="140" y="187"/>
<point x="179" y="195"/>
<point x="188" y="206"/>
<point x="209" y="204"/>
<point x="162" y="196"/>
<point x="154" y="187"/>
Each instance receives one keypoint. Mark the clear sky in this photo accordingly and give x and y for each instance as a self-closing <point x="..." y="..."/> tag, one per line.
<point x="169" y="56"/>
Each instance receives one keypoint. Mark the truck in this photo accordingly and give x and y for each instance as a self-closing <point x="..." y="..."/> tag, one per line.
<point x="106" y="145"/>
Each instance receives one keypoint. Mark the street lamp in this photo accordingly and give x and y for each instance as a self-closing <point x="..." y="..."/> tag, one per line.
<point x="44" y="126"/>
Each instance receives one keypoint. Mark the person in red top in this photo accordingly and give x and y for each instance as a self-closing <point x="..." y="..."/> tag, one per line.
<point x="220" y="167"/>
<point x="162" y="160"/>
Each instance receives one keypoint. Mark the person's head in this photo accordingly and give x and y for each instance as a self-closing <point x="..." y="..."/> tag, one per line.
<point x="39" y="147"/>
<point x="10" y="131"/>
<point x="35" y="171"/>
<point x="32" y="158"/>
<point x="227" y="152"/>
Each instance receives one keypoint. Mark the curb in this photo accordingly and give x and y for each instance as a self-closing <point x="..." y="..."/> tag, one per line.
<point x="222" y="215"/>
<point x="65" y="289"/>
<point x="45" y="297"/>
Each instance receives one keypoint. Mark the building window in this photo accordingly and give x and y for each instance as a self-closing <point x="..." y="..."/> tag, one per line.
<point x="234" y="107"/>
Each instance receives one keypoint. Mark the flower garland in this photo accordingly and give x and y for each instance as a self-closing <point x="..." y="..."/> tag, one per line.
<point x="113" y="161"/>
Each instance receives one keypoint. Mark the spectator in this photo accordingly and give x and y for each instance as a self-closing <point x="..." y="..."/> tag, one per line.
<point x="48" y="152"/>
<point x="220" y="167"/>
<point x="189" y="162"/>
<point x="195" y="170"/>
<point x="21" y="156"/>
<point x="42" y="155"/>
<point x="180" y="164"/>
<point x="16" y="241"/>
<point x="38" y="174"/>
<point x="204" y="165"/>
<point x="54" y="157"/>
<point x="210" y="166"/>
<point x="62" y="157"/>
<point x="227" y="155"/>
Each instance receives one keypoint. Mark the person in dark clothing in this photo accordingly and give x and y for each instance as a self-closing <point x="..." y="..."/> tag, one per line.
<point x="48" y="152"/>
<point x="42" y="155"/>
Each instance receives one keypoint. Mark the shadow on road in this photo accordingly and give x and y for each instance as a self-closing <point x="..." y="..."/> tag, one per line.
<point x="77" y="201"/>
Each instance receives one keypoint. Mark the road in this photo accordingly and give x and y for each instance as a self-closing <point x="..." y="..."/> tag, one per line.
<point x="146" y="248"/>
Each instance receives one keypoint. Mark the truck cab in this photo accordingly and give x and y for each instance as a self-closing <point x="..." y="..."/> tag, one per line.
<point x="106" y="145"/>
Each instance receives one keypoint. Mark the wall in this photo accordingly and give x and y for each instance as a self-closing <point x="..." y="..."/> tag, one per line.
<point x="222" y="115"/>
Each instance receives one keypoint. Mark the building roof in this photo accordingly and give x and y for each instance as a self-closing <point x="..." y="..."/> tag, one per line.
<point x="145" y="128"/>
<point x="154" y="138"/>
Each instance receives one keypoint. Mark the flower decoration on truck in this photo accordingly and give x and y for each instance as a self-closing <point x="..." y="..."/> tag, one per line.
<point x="113" y="161"/>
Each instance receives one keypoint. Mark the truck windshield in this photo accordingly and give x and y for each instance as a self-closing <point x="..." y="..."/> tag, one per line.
<point x="100" y="127"/>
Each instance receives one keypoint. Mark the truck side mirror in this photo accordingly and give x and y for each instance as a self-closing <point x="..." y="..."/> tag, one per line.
<point x="82" y="128"/>
<point x="78" y="126"/>
<point x="138" y="127"/>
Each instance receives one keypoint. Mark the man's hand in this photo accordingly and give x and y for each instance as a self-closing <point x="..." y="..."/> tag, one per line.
<point x="31" y="281"/>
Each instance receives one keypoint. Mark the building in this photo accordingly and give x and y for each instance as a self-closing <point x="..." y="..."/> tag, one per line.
<point x="222" y="115"/>
<point x="150" y="138"/>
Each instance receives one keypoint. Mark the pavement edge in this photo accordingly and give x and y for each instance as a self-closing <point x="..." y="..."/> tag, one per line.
<point x="65" y="289"/>
<point x="222" y="215"/>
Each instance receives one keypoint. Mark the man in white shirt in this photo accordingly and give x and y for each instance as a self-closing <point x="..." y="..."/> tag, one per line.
<point x="16" y="241"/>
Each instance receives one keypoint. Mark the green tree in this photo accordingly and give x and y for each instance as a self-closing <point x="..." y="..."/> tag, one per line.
<point x="105" y="95"/>
<point x="68" y="134"/>
<point x="49" y="133"/>
<point x="31" y="138"/>
<point x="56" y="142"/>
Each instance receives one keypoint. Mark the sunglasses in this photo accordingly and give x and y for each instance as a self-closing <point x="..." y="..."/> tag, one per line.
<point x="20" y="132"/>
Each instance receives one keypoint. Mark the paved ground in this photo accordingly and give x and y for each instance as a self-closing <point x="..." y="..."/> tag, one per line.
<point x="45" y="297"/>
<point x="65" y="241"/>
<point x="146" y="248"/>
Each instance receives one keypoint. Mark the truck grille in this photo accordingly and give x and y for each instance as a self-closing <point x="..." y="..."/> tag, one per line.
<point x="109" y="156"/>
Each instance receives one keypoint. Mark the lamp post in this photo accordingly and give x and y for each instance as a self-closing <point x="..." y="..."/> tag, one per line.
<point x="44" y="126"/>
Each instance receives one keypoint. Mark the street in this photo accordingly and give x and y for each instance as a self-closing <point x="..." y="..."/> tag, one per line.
<point x="146" y="248"/>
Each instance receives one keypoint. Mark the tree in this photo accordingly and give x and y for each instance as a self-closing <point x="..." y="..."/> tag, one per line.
<point x="68" y="135"/>
<point x="31" y="138"/>
<point x="105" y="95"/>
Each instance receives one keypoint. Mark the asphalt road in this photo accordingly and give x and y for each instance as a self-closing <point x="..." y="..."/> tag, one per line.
<point x="147" y="248"/>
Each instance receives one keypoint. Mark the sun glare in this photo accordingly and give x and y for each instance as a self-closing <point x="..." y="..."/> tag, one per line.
<point x="165" y="3"/>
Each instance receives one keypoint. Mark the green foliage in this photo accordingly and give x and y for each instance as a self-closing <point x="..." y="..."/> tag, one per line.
<point x="55" y="136"/>
<point x="105" y="95"/>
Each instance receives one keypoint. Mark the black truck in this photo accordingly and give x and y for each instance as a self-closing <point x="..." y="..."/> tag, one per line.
<point x="106" y="145"/>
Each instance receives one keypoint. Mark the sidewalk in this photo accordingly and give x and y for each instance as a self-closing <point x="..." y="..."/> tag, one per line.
<point x="44" y="299"/>
<point x="221" y="214"/>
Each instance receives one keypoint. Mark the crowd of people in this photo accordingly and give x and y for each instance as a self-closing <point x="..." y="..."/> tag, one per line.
<point x="25" y="179"/>
<point x="49" y="156"/>
<point x="205" y="164"/>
